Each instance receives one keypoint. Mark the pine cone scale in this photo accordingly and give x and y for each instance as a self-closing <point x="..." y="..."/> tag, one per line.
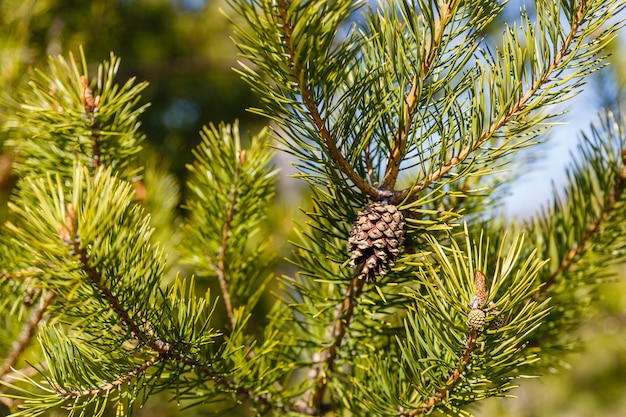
<point x="376" y="239"/>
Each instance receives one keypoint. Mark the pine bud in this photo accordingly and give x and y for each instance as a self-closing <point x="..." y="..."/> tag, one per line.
<point x="87" y="95"/>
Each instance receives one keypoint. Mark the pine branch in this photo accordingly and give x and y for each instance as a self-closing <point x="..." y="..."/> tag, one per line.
<point x="29" y="330"/>
<point x="404" y="90"/>
<point x="142" y="332"/>
<point x="61" y="121"/>
<point x="476" y="322"/>
<point x="102" y="390"/>
<point x="466" y="354"/>
<point x="514" y="108"/>
<point x="87" y="258"/>
<point x="63" y="118"/>
<point x="232" y="189"/>
<point x="596" y="226"/>
<point x="443" y="394"/>
<point x="582" y="234"/>
<point x="302" y="83"/>
<point x="431" y="48"/>
<point x="323" y="368"/>
<point x="220" y="266"/>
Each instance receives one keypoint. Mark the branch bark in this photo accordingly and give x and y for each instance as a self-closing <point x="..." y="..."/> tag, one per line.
<point x="146" y="336"/>
<point x="108" y="386"/>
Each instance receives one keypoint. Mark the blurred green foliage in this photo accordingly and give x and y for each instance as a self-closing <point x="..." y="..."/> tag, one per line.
<point x="181" y="47"/>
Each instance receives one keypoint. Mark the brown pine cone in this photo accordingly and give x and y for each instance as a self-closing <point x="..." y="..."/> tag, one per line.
<point x="376" y="239"/>
<point x="497" y="318"/>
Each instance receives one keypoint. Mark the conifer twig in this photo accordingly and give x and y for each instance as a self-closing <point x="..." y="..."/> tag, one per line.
<point x="91" y="106"/>
<point x="163" y="349"/>
<point x="368" y="164"/>
<point x="337" y="331"/>
<point x="67" y="232"/>
<point x="27" y="333"/>
<point x="451" y="380"/>
<point x="592" y="230"/>
<point x="7" y="176"/>
<point x="220" y="266"/>
<point x="108" y="386"/>
<point x="301" y="81"/>
<point x="230" y="385"/>
<point x="143" y="335"/>
<point x="431" y="48"/>
<point x="514" y="109"/>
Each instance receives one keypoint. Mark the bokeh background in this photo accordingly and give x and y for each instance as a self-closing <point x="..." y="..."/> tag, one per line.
<point x="183" y="48"/>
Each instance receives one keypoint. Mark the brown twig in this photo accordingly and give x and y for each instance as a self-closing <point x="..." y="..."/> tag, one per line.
<point x="337" y="331"/>
<point x="164" y="350"/>
<point x="220" y="266"/>
<point x="368" y="164"/>
<point x="514" y="109"/>
<point x="594" y="228"/>
<point x="431" y="48"/>
<point x="7" y="176"/>
<point x="142" y="332"/>
<point x="479" y="302"/>
<point x="451" y="380"/>
<point x="29" y="330"/>
<point x="108" y="386"/>
<point x="300" y="78"/>
<point x="67" y="232"/>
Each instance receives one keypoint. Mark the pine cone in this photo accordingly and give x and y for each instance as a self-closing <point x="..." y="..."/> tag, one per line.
<point x="497" y="318"/>
<point x="476" y="319"/>
<point x="376" y="239"/>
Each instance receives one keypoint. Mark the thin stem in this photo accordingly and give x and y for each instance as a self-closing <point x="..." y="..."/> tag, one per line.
<point x="514" y="109"/>
<point x="91" y="113"/>
<point x="108" y="386"/>
<point x="368" y="163"/>
<point x="146" y="336"/>
<point x="301" y="80"/>
<point x="431" y="48"/>
<point x="220" y="267"/>
<point x="337" y="331"/>
<point x="29" y="330"/>
<point x="451" y="380"/>
<point x="592" y="230"/>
